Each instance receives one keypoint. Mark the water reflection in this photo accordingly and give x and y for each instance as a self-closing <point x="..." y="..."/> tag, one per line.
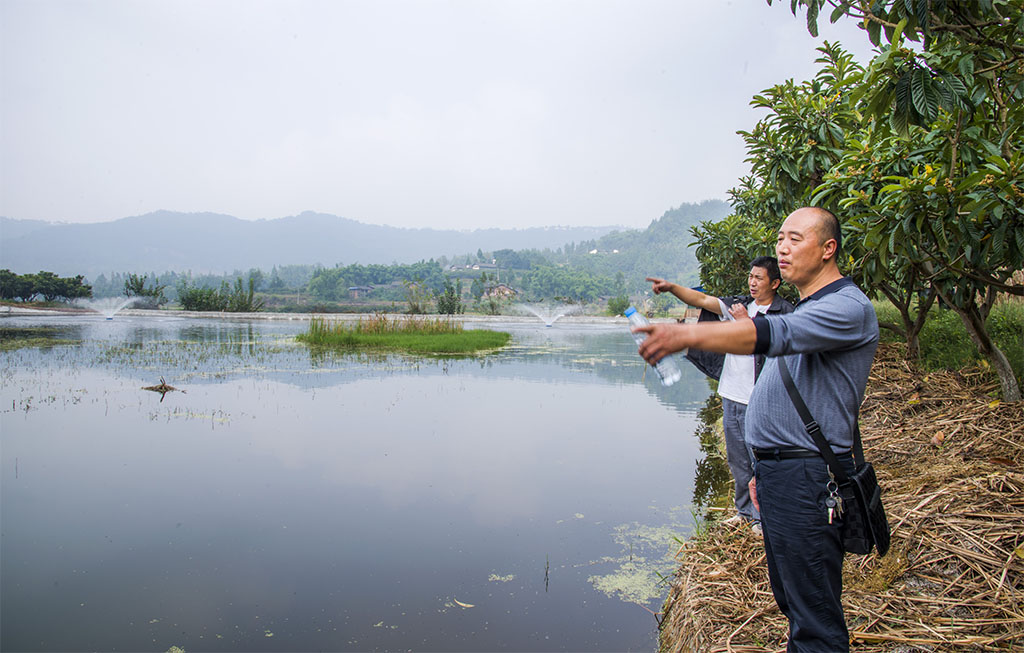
<point x="349" y="503"/>
<point x="712" y="484"/>
<point x="45" y="337"/>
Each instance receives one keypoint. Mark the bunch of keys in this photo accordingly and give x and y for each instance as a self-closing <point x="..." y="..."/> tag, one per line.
<point x="834" y="501"/>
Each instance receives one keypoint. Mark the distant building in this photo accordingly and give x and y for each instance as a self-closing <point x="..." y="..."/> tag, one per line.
<point x="359" y="291"/>
<point x="503" y="292"/>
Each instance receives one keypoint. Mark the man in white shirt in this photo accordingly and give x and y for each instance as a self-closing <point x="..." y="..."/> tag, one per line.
<point x="736" y="373"/>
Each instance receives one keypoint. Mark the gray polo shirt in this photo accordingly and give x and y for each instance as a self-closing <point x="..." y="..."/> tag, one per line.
<point x="829" y="342"/>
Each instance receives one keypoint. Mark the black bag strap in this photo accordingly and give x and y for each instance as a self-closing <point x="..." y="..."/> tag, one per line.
<point x="815" y="431"/>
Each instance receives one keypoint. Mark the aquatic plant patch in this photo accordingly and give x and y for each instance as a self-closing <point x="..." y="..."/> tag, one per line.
<point x="414" y="335"/>
<point x="17" y="338"/>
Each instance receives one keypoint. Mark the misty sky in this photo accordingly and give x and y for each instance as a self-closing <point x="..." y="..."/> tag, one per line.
<point x="448" y="114"/>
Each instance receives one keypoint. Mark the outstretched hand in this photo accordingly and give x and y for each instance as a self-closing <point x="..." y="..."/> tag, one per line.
<point x="660" y="285"/>
<point x="662" y="340"/>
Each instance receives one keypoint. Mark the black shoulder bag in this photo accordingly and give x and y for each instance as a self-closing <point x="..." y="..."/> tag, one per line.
<point x="863" y="517"/>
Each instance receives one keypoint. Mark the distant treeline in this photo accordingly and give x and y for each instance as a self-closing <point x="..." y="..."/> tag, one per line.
<point x="542" y="280"/>
<point x="613" y="265"/>
<point x="279" y="279"/>
<point x="47" y="285"/>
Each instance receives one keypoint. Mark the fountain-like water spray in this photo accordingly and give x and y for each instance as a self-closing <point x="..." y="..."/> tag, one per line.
<point x="547" y="313"/>
<point x="108" y="306"/>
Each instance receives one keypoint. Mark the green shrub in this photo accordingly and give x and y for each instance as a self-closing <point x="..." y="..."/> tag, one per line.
<point x="449" y="302"/>
<point x="1006" y="325"/>
<point x="887" y="313"/>
<point x="147" y="297"/>
<point x="946" y="345"/>
<point x="194" y="298"/>
<point x="618" y="305"/>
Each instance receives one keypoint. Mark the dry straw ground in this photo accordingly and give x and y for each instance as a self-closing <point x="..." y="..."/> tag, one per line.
<point x="950" y="460"/>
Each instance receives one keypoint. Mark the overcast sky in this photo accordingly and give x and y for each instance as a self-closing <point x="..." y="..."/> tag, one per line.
<point x="452" y="114"/>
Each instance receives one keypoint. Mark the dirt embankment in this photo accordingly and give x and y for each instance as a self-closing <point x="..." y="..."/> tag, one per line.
<point x="950" y="459"/>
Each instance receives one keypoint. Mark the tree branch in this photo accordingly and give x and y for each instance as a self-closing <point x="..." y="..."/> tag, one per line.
<point x="980" y="278"/>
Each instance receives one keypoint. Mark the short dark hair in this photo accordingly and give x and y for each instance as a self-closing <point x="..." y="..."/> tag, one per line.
<point x="769" y="263"/>
<point x="828" y="227"/>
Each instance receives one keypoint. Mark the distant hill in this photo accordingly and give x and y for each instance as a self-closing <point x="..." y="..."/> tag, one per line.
<point x="662" y="250"/>
<point x="10" y="228"/>
<point x="216" y="243"/>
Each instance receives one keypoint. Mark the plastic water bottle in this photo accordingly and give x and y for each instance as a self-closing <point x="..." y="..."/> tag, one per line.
<point x="667" y="367"/>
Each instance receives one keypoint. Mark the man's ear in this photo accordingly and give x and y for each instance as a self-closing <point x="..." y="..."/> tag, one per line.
<point x="775" y="284"/>
<point x="829" y="249"/>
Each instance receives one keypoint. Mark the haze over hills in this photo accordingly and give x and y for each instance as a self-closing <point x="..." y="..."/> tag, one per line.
<point x="216" y="243"/>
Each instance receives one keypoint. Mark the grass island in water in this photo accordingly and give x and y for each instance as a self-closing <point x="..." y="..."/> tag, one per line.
<point x="414" y="335"/>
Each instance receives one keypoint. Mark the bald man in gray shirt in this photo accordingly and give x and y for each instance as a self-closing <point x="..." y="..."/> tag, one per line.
<point x="829" y="342"/>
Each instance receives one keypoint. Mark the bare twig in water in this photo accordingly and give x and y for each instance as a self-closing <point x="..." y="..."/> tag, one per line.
<point x="162" y="388"/>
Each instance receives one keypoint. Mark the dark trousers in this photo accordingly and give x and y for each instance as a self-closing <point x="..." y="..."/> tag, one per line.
<point x="804" y="551"/>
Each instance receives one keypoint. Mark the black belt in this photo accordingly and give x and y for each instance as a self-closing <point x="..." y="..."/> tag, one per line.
<point x="783" y="453"/>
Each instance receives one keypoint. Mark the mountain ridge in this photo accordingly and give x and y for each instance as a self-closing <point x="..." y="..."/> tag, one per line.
<point x="219" y="243"/>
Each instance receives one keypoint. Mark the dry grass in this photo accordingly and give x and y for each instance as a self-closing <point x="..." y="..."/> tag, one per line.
<point x="950" y="460"/>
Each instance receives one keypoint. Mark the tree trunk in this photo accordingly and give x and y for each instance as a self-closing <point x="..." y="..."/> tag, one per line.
<point x="914" y="330"/>
<point x="975" y="325"/>
<point x="912" y="324"/>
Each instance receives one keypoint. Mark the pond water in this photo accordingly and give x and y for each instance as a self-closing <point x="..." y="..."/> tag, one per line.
<point x="526" y="500"/>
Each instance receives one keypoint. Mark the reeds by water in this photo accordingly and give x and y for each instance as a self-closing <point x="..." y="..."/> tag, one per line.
<point x="380" y="323"/>
<point x="416" y="334"/>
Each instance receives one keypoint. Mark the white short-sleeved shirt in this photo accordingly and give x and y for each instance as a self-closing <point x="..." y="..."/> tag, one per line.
<point x="737" y="380"/>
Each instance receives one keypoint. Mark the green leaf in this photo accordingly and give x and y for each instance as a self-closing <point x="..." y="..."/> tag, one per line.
<point x="971" y="226"/>
<point x="966" y="65"/>
<point x="954" y="82"/>
<point x="899" y="121"/>
<point x="999" y="240"/>
<point x="874" y="32"/>
<point x="897" y="34"/>
<point x="925" y="100"/>
<point x="790" y="168"/>
<point x="812" y="18"/>
<point x="979" y="96"/>
<point x="922" y="15"/>
<point x="947" y="99"/>
<point x="879" y="104"/>
<point x="943" y="239"/>
<point x="953" y="91"/>
<point x="990" y="148"/>
<point x="901" y="91"/>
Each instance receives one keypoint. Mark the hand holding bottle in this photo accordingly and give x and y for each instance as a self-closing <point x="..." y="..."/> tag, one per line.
<point x="667" y="367"/>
